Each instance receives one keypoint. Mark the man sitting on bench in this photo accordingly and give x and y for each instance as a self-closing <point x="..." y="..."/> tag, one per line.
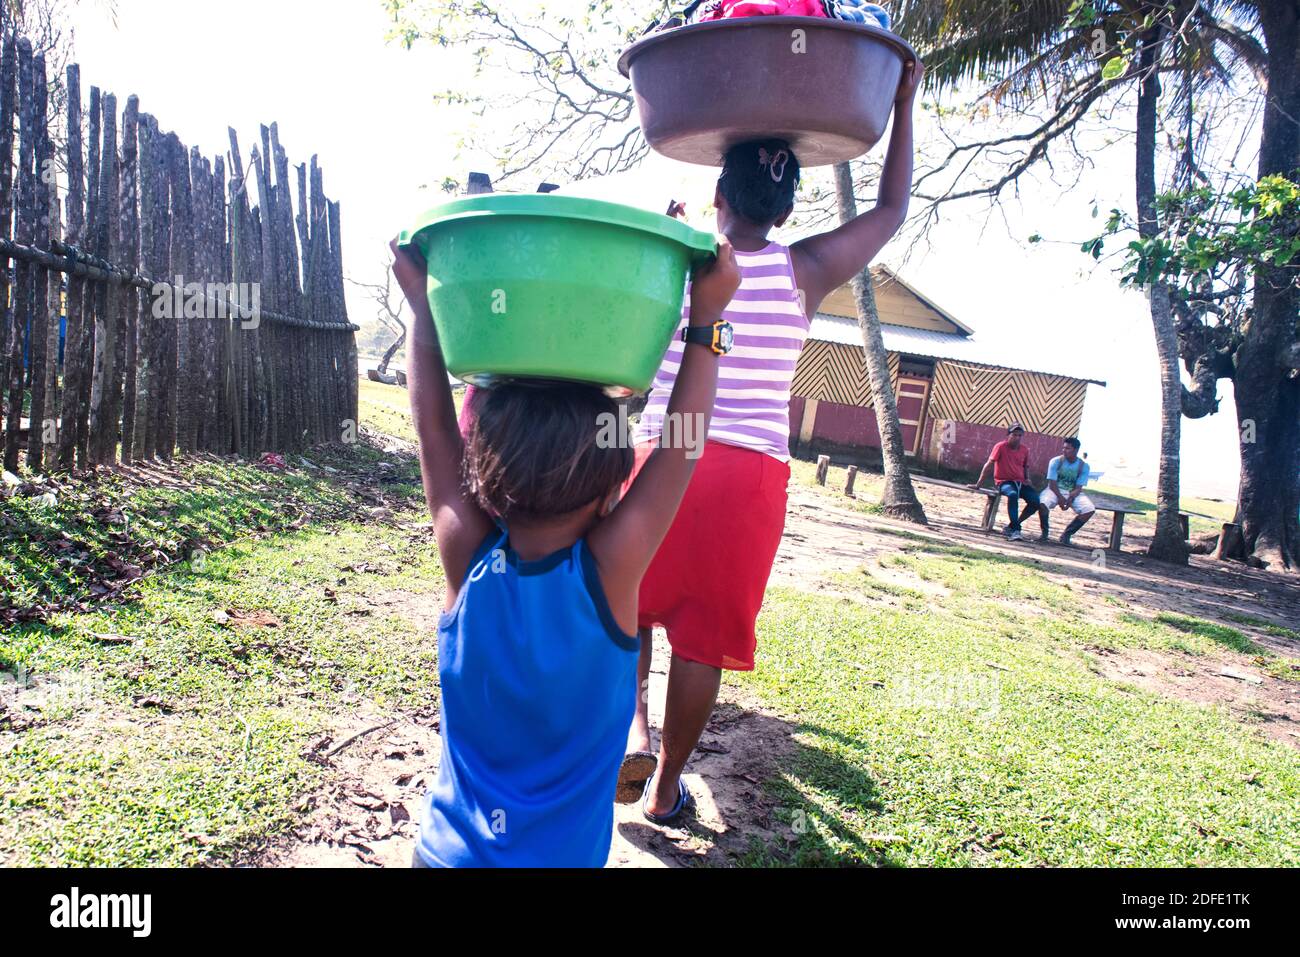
<point x="1067" y="474"/>
<point x="1009" y="462"/>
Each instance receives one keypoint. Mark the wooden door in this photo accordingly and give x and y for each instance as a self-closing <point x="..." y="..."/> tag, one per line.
<point x="913" y="399"/>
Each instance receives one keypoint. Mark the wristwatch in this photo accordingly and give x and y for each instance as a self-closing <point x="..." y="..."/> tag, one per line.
<point x="718" y="337"/>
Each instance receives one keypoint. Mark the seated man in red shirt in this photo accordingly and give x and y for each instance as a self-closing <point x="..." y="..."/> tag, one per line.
<point x="1009" y="462"/>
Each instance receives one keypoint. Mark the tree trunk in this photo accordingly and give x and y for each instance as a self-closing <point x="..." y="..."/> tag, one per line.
<point x="1167" y="544"/>
<point x="1267" y="392"/>
<point x="392" y="351"/>
<point x="899" y="499"/>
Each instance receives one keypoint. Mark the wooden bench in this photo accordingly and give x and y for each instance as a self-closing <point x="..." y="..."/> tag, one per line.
<point x="994" y="500"/>
<point x="1118" y="514"/>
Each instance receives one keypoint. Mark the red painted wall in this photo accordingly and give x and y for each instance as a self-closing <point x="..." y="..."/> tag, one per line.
<point x="843" y="428"/>
<point x="796" y="418"/>
<point x="971" y="444"/>
<point x="846" y="425"/>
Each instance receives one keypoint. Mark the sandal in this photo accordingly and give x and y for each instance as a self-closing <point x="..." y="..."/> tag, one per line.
<point x="684" y="802"/>
<point x="634" y="773"/>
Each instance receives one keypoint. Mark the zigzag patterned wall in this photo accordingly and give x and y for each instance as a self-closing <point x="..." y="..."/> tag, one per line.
<point x="831" y="372"/>
<point x="987" y="395"/>
<point x="964" y="392"/>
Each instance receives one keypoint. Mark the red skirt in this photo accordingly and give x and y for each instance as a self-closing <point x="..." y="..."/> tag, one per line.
<point x="705" y="585"/>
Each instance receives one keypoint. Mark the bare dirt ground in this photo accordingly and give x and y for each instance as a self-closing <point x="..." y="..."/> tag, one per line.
<point x="381" y="764"/>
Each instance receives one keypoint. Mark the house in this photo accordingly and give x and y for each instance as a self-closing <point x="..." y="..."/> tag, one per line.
<point x="955" y="393"/>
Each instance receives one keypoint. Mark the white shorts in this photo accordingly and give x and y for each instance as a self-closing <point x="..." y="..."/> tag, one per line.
<point x="1082" y="505"/>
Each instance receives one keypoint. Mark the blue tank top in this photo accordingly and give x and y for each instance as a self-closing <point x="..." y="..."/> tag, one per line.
<point x="538" y="691"/>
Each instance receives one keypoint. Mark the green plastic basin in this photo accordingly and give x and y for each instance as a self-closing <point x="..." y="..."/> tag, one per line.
<point x="545" y="286"/>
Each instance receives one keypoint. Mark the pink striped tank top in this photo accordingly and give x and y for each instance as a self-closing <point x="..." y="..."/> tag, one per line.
<point x="753" y="405"/>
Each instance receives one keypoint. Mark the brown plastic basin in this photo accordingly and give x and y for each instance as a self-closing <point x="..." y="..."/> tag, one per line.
<point x="704" y="87"/>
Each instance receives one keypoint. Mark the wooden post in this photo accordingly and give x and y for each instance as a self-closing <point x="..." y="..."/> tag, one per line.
<point x="92" y="293"/>
<point x="223" y="436"/>
<point x="1116" y="530"/>
<point x="289" y="293"/>
<point x="20" y="303"/>
<point x="991" y="511"/>
<point x="122" y="400"/>
<point x="53" y="309"/>
<point x="237" y="390"/>
<point x="49" y="292"/>
<point x="348" y="350"/>
<point x="1186" y="522"/>
<point x="44" y="363"/>
<point x="188" y="326"/>
<point x="8" y="98"/>
<point x="74" y="367"/>
<point x="848" y="485"/>
<point x="278" y="423"/>
<point x="205" y="338"/>
<point x="823" y="466"/>
<point x="143" y="367"/>
<point x="103" y="425"/>
<point x="175" y="167"/>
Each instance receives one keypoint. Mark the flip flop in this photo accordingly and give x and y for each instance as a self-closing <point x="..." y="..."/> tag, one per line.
<point x="684" y="802"/>
<point x="634" y="773"/>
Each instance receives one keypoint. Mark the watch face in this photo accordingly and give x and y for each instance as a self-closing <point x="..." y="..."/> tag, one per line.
<point x="726" y="336"/>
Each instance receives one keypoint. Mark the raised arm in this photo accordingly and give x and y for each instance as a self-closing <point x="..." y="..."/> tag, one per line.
<point x="458" y="523"/>
<point x="627" y="540"/>
<point x="824" y="262"/>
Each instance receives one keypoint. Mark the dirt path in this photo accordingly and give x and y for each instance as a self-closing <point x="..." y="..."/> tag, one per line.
<point x="383" y="763"/>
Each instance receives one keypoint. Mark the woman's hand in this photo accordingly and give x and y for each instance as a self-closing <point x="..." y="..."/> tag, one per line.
<point x="713" y="285"/>
<point x="913" y="72"/>
<point x="410" y="271"/>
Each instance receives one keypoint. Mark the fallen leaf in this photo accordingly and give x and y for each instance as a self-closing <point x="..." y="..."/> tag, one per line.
<point x="252" y="619"/>
<point x="112" y="639"/>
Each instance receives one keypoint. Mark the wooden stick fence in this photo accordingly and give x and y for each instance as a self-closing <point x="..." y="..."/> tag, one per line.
<point x="157" y="306"/>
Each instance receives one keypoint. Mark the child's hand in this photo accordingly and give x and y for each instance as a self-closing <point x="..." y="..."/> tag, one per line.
<point x="911" y="81"/>
<point x="410" y="271"/>
<point x="713" y="285"/>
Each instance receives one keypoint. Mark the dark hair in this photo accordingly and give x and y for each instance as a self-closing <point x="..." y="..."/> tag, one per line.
<point x="1073" y="441"/>
<point x="531" y="452"/>
<point x="757" y="182"/>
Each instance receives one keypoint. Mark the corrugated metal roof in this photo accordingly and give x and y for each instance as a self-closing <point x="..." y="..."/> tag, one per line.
<point x="924" y="342"/>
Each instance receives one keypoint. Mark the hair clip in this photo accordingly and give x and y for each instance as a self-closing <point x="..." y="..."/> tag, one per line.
<point x="775" y="164"/>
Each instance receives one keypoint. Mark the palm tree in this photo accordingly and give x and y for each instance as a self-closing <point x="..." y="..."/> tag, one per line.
<point x="899" y="498"/>
<point x="1067" y="55"/>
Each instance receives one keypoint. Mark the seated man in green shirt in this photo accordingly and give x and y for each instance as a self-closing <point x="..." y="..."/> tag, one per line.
<point x="1067" y="474"/>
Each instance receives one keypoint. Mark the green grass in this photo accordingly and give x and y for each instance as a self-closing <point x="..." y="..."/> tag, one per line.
<point x="868" y="487"/>
<point x="1266" y="626"/>
<point x="1145" y="499"/>
<point x="102" y="532"/>
<point x="958" y="722"/>
<point x="946" y="739"/>
<point x="220" y="763"/>
<point x="1219" y="634"/>
<point x="1167" y="631"/>
<point x="968" y="726"/>
<point x="147" y="725"/>
<point x="387" y="408"/>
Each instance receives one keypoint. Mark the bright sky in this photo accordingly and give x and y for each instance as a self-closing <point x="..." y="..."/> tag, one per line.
<point x="323" y="70"/>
